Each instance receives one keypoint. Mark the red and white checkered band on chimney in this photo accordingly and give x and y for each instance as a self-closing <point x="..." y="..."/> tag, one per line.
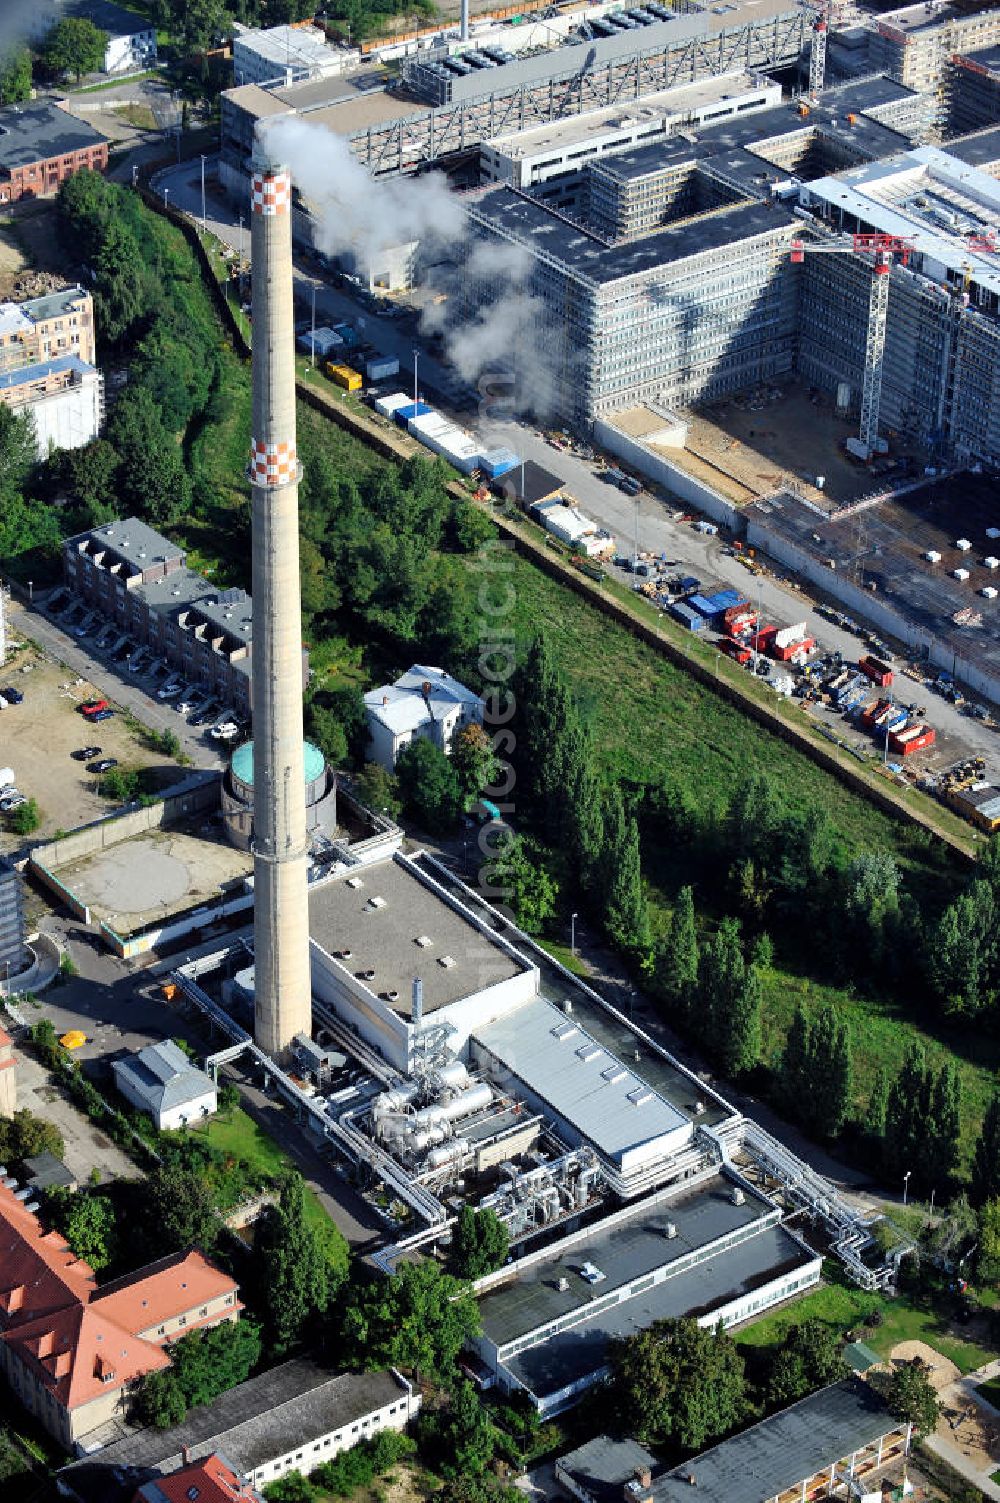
<point x="272" y="464"/>
<point x="272" y="192"/>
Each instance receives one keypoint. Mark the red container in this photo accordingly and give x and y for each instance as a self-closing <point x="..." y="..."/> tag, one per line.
<point x="880" y="673"/>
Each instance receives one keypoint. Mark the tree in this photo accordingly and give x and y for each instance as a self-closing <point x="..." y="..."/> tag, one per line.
<point x="795" y="1068"/>
<point x="177" y="1210"/>
<point x="911" y="1396"/>
<point x="729" y="995"/>
<point x="152" y="476"/>
<point x="626" y="916"/>
<point x="87" y="1222"/>
<point x="741" y="1046"/>
<point x="159" y="1401"/>
<point x="878" y="1103"/>
<point x="677" y="1384"/>
<point x="15" y="75"/>
<point x="985" y="1181"/>
<point x="291" y="1488"/>
<point x="26" y="817"/>
<point x="830" y="1074"/>
<point x="988" y="1254"/>
<point x="378" y="790"/>
<point x="17" y="453"/>
<point x="474" y="761"/>
<point x="461" y="1439"/>
<point x="119" y="301"/>
<point x="810" y="1357"/>
<point x="479" y="1243"/>
<point x="229" y="1097"/>
<point x="297" y="1280"/>
<point x="76" y="46"/>
<point x="516" y="875"/>
<point x="428" y="786"/>
<point x="25" y="1136"/>
<point x="675" y="959"/>
<point x="962" y="953"/>
<point x="419" y="1319"/>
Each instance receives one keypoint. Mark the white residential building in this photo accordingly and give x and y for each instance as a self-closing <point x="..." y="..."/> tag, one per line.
<point x="65" y="398"/>
<point x="425" y="702"/>
<point x="131" y="39"/>
<point x="161" y="1081"/>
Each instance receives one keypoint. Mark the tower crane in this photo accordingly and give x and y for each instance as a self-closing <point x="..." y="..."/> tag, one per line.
<point x="817" y="51"/>
<point x="882" y="249"/>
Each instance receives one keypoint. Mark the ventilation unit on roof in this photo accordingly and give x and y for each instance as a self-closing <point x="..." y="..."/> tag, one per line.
<point x="613" y="1074"/>
<point x="423" y="940"/>
<point x="563" y="1285"/>
<point x="376" y="902"/>
<point x="670" y="1230"/>
<point x="737" y="1197"/>
<point x="564" y="1031"/>
<point x="640" y="1096"/>
<point x="355" y="882"/>
<point x="588" y="1052"/>
<point x="447" y="961"/>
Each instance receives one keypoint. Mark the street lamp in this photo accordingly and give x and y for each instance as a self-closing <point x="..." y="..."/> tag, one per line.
<point x="572" y="933"/>
<point x="166" y="195"/>
<point x="906" y="1184"/>
<point x="312" y="340"/>
<point x="416" y="361"/>
<point x="204" y="221"/>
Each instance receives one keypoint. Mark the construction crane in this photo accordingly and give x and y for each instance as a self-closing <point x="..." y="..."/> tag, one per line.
<point x="882" y="248"/>
<point x="817" y="53"/>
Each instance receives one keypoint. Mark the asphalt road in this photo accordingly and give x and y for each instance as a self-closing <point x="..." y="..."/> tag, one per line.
<point x="113" y="680"/>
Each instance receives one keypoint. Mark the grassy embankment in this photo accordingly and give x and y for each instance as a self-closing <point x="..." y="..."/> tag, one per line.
<point x="650" y="719"/>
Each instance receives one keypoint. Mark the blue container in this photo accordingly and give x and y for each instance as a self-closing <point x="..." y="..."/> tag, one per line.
<point x="689" y="583"/>
<point x="723" y="600"/>
<point x="703" y="605"/>
<point x="683" y="613"/>
<point x="498" y="461"/>
<point x="405" y="415"/>
<point x="347" y="334"/>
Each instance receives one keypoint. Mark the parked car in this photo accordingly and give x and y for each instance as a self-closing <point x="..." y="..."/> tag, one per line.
<point x="106" y="714"/>
<point x="94" y="707"/>
<point x="83" y="753"/>
<point x="169" y="691"/>
<point x="12" y="696"/>
<point x="11" y="802"/>
<point x="104" y="765"/>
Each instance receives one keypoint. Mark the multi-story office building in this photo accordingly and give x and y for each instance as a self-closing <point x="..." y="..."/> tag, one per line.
<point x="915" y="45"/>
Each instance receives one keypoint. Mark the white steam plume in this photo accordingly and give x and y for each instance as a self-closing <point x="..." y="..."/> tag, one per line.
<point x="25" y="21"/>
<point x="484" y="309"/>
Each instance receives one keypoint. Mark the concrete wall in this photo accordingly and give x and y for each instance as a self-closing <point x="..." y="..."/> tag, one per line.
<point x="198" y="791"/>
<point x="665" y="472"/>
<point x="876" y="610"/>
<point x="70" y="418"/>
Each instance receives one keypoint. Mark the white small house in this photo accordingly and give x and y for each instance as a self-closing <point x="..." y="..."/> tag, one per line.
<point x="131" y="39"/>
<point x="425" y="702"/>
<point x="161" y="1081"/>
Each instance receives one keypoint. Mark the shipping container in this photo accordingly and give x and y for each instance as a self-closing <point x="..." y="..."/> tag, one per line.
<point x="735" y="650"/>
<point x="320" y="341"/>
<point x="344" y="376"/>
<point x="880" y="673"/>
<point x="915" y="738"/>
<point x="703" y="606"/>
<point x="349" y="335"/>
<point x="726" y="600"/>
<point x="391" y="403"/>
<point x="689" y="584"/>
<point x="683" y="613"/>
<point x="381" y="367"/>
<point x="739" y="610"/>
<point x="784" y="652"/>
<point x="497" y="462"/>
<point x="762" y="638"/>
<point x="403" y="414"/>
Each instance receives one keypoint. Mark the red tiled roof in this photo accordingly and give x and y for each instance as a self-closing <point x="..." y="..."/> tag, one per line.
<point x="163" y="1291"/>
<point x="38" y="1273"/>
<point x="79" y="1353"/>
<point x="214" y="1480"/>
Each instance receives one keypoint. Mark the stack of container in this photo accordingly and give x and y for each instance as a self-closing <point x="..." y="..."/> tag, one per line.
<point x="498" y="461"/>
<point x="390" y="404"/>
<point x="405" y="414"/>
<point x="321" y="342"/>
<point x="682" y="612"/>
<point x="381" y="367"/>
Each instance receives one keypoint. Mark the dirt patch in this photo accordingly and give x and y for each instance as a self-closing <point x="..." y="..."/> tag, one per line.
<point x="12" y="262"/>
<point x="940" y="1372"/>
<point x="971" y="1428"/>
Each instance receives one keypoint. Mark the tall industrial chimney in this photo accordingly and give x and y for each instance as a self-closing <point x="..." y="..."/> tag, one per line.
<point x="283" y="1001"/>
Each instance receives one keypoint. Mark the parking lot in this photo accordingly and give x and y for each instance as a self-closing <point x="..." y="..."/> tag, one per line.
<point x="39" y="735"/>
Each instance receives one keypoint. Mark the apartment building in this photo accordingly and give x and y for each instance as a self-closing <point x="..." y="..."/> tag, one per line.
<point x="73" y="1353"/>
<point x="136" y="578"/>
<point x="63" y="397"/>
<point x="47" y="328"/>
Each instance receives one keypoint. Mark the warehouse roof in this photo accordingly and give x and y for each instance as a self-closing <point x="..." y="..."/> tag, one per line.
<point x="530" y="223"/>
<point x="38" y="131"/>
<point x="625" y="1251"/>
<point x="285" y="1408"/>
<point x="581" y="1352"/>
<point x="769" y="1458"/>
<point x="580" y="1079"/>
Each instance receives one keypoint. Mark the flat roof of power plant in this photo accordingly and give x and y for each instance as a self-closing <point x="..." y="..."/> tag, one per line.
<point x="574" y="1354"/>
<point x="333" y="102"/>
<point x="588" y="256"/>
<point x="385" y="937"/>
<point x="581" y="1079"/>
<point x="623" y="1251"/>
<point x="578" y="128"/>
